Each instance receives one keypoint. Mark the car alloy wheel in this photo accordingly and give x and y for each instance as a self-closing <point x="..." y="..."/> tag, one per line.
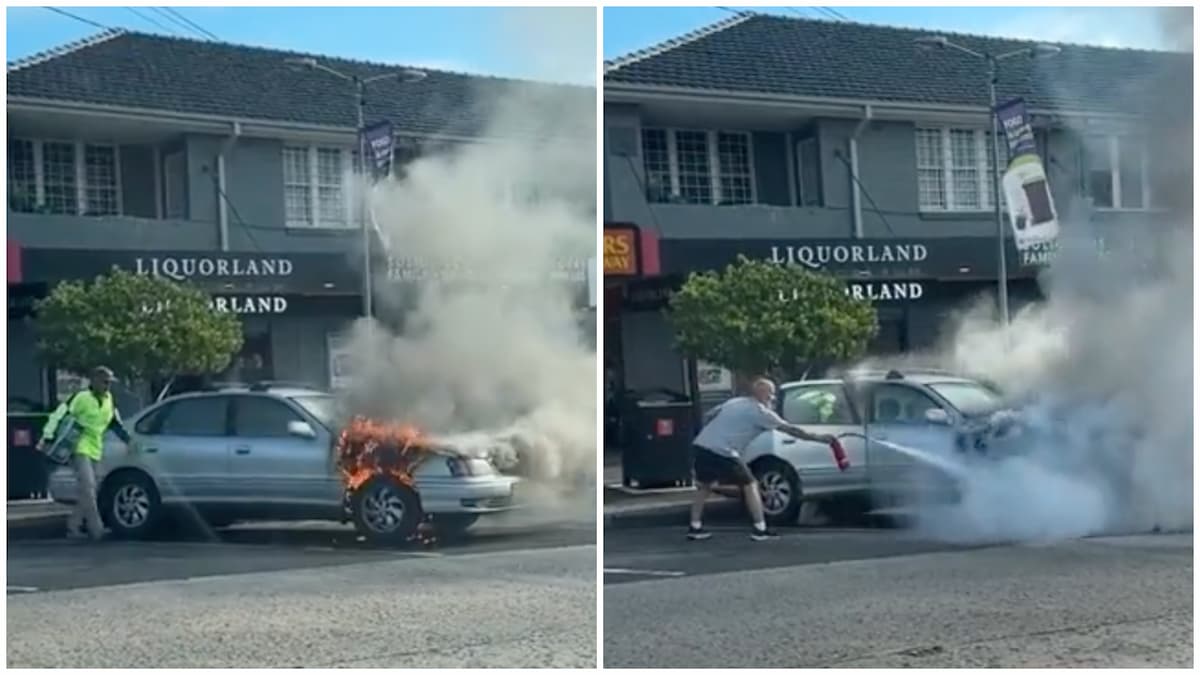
<point x="383" y="509"/>
<point x="131" y="506"/>
<point x="776" y="491"/>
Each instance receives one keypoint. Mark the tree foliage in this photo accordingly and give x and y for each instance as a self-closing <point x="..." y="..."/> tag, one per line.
<point x="140" y="326"/>
<point x="760" y="317"/>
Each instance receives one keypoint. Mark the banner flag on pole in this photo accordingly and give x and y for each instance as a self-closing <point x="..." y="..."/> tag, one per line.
<point x="380" y="142"/>
<point x="1026" y="191"/>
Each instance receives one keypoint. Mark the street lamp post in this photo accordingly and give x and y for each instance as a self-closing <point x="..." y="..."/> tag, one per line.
<point x="993" y="61"/>
<point x="360" y="92"/>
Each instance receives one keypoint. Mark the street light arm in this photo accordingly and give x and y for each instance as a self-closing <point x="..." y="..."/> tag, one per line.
<point x="1024" y="51"/>
<point x="331" y="71"/>
<point x="966" y="50"/>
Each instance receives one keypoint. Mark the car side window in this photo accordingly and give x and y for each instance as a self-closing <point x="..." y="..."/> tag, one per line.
<point x="150" y="423"/>
<point x="262" y="417"/>
<point x="900" y="404"/>
<point x="817" y="404"/>
<point x="201" y="416"/>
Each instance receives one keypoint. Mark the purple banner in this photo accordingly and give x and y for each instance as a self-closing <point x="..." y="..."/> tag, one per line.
<point x="380" y="145"/>
<point x="1014" y="121"/>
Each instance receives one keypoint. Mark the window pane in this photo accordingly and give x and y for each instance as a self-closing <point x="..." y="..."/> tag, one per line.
<point x="929" y="148"/>
<point x="297" y="204"/>
<point x="1129" y="154"/>
<point x="260" y="417"/>
<point x="817" y="405"/>
<point x="810" y="173"/>
<point x="1098" y="171"/>
<point x="989" y="186"/>
<point x="333" y="208"/>
<point x="295" y="166"/>
<point x="657" y="164"/>
<point x="931" y="178"/>
<point x="895" y="404"/>
<point x="100" y="166"/>
<point x="203" y="416"/>
<point x="695" y="181"/>
<point x="964" y="160"/>
<point x="22" y="177"/>
<point x="931" y="189"/>
<point x="329" y="167"/>
<point x="58" y="176"/>
<point x="733" y="153"/>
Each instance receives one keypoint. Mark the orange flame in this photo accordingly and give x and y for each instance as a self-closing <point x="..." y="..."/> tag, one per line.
<point x="367" y="448"/>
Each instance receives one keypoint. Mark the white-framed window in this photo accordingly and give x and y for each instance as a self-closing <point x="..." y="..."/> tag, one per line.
<point x="65" y="177"/>
<point x="1116" y="169"/>
<point x="315" y="186"/>
<point x="955" y="170"/>
<point x="698" y="167"/>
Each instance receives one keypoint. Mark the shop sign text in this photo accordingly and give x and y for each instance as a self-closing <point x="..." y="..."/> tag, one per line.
<point x="620" y="256"/>
<point x="818" y="256"/>
<point x="182" y="268"/>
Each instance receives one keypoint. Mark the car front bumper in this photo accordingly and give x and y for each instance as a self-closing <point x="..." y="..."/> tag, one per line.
<point x="476" y="494"/>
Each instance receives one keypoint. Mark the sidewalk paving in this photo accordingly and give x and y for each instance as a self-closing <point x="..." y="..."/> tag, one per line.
<point x="30" y="516"/>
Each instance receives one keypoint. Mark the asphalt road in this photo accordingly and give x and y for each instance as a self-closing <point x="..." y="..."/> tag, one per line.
<point x="877" y="598"/>
<point x="510" y="594"/>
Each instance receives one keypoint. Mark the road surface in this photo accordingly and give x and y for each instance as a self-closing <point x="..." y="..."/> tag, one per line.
<point x="306" y="595"/>
<point x="870" y="598"/>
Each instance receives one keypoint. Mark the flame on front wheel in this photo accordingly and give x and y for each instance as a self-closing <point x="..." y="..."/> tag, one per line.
<point x="367" y="448"/>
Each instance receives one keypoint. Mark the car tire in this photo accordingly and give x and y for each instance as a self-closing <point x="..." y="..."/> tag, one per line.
<point x="454" y="524"/>
<point x="130" y="505"/>
<point x="385" y="511"/>
<point x="780" y="489"/>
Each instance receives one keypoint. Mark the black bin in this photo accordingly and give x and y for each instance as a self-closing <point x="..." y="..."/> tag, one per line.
<point x="28" y="470"/>
<point x="659" y="448"/>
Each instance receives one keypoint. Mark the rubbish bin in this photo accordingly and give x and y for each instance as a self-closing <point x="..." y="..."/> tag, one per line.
<point x="28" y="470"/>
<point x="659" y="448"/>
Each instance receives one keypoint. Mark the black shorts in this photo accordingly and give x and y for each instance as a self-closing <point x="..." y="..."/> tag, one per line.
<point x="713" y="468"/>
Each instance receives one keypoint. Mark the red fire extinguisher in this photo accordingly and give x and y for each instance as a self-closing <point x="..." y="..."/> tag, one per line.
<point x="839" y="454"/>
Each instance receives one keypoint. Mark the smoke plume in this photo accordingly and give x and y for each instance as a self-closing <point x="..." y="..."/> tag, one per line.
<point x="1101" y="371"/>
<point x="492" y="352"/>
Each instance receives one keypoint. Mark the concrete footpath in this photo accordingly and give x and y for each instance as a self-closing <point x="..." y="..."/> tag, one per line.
<point x="31" y="518"/>
<point x="627" y="507"/>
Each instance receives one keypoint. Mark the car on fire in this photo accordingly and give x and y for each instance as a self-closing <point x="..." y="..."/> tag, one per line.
<point x="263" y="452"/>
<point x="873" y="414"/>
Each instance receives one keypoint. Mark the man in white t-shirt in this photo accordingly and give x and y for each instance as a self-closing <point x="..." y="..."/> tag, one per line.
<point x="728" y="429"/>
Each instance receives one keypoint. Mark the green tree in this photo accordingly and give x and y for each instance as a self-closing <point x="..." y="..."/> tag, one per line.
<point x="141" y="326"/>
<point x="759" y="317"/>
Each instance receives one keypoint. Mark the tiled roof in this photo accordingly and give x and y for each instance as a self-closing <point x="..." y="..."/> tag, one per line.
<point x="766" y="54"/>
<point x="153" y="72"/>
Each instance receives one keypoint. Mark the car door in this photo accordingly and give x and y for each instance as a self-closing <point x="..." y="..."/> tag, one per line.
<point x="184" y="444"/>
<point x="821" y="408"/>
<point x="896" y="421"/>
<point x="270" y="464"/>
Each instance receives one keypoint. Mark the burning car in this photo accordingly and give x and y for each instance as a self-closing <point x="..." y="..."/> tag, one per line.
<point x="279" y="453"/>
<point x="905" y="434"/>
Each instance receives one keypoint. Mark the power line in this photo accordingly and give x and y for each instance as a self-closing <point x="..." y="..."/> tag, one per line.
<point x="191" y="23"/>
<point x="151" y="20"/>
<point x="838" y="15"/>
<point x="78" y="18"/>
<point x="186" y="28"/>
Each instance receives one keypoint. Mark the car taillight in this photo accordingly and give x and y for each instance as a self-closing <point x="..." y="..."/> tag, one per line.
<point x="458" y="467"/>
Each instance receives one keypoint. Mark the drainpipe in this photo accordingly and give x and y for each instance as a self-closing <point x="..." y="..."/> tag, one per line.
<point x="222" y="182"/>
<point x="855" y="187"/>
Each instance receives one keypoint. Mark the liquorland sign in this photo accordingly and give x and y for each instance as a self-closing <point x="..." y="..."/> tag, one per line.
<point x="819" y="256"/>
<point x="243" y="283"/>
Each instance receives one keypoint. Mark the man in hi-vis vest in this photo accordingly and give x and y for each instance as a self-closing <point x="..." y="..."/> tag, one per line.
<point x="95" y="413"/>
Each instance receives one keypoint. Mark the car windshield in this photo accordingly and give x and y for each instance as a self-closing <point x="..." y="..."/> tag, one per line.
<point x="970" y="398"/>
<point x="322" y="407"/>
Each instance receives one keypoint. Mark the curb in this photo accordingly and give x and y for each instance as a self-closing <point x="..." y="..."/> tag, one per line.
<point x="37" y="526"/>
<point x="647" y="515"/>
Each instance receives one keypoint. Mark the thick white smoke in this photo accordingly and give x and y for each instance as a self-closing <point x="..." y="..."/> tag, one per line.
<point x="1101" y="373"/>
<point x="493" y="352"/>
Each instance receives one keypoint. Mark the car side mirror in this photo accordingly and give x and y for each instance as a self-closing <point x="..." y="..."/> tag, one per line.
<point x="937" y="416"/>
<point x="301" y="429"/>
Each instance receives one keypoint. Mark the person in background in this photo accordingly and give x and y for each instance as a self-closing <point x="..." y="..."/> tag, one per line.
<point x="728" y="429"/>
<point x="96" y="413"/>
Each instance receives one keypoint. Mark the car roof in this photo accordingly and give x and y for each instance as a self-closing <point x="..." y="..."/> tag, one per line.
<point x="921" y="378"/>
<point x="286" y="392"/>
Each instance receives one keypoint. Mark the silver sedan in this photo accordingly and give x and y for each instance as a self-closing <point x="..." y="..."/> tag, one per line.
<point x="267" y="453"/>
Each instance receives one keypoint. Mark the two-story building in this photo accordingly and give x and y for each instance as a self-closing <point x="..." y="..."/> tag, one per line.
<point x="848" y="148"/>
<point x="226" y="165"/>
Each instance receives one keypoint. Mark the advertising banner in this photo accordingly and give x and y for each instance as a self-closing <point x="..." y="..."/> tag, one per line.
<point x="380" y="144"/>
<point x="1026" y="191"/>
